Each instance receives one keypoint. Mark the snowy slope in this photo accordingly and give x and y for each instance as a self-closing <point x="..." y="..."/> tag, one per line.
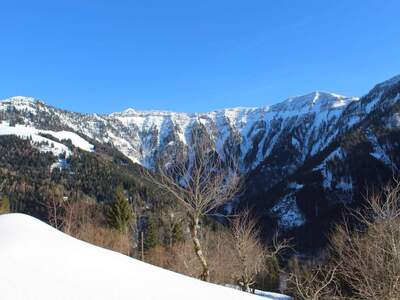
<point x="39" y="262"/>
<point x="76" y="140"/>
<point x="43" y="143"/>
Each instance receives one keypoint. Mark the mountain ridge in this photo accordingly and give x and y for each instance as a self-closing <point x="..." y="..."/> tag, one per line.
<point x="315" y="136"/>
<point x="132" y="110"/>
<point x="229" y="121"/>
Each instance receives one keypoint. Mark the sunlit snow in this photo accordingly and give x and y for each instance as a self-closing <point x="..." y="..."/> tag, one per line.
<point x="39" y="262"/>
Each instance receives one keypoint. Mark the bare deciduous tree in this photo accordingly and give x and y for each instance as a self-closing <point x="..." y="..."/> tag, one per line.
<point x="250" y="253"/>
<point x="54" y="205"/>
<point x="200" y="183"/>
<point x="365" y="255"/>
<point x="369" y="254"/>
<point x="85" y="220"/>
<point x="312" y="281"/>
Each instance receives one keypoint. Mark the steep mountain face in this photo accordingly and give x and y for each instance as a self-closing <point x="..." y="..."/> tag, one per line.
<point x="251" y="134"/>
<point x="363" y="156"/>
<point x="302" y="157"/>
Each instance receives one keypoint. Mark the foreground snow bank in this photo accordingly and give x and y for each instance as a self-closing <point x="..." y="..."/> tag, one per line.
<point x="39" y="262"/>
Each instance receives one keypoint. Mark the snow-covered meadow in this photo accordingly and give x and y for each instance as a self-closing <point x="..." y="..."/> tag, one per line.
<point x="47" y="145"/>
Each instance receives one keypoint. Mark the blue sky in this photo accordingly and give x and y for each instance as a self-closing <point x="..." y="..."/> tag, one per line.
<point x="103" y="56"/>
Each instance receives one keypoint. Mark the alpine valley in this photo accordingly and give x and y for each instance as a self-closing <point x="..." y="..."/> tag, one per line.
<point x="304" y="160"/>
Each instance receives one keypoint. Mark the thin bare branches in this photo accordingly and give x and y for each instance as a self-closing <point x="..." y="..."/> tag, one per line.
<point x="200" y="182"/>
<point x="313" y="281"/>
<point x="365" y="255"/>
<point x="370" y="255"/>
<point x="251" y="254"/>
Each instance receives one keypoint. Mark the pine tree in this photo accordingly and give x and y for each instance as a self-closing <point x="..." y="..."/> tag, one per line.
<point x="120" y="214"/>
<point x="177" y="233"/>
<point x="150" y="234"/>
<point x="4" y="205"/>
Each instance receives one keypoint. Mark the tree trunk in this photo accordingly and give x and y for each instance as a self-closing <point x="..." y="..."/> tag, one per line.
<point x="194" y="226"/>
<point x="244" y="284"/>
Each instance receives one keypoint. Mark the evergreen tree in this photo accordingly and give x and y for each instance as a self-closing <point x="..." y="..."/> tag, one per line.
<point x="268" y="279"/>
<point x="120" y="214"/>
<point x="150" y="234"/>
<point x="177" y="233"/>
<point x="4" y="205"/>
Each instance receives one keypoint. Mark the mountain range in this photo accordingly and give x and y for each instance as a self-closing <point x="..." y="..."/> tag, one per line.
<point x="304" y="160"/>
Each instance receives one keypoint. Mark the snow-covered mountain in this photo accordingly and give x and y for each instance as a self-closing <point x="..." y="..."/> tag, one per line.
<point x="39" y="262"/>
<point x="361" y="156"/>
<point x="299" y="156"/>
<point x="250" y="133"/>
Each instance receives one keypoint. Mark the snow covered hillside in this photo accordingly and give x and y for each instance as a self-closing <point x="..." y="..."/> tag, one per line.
<point x="39" y="262"/>
<point x="41" y="138"/>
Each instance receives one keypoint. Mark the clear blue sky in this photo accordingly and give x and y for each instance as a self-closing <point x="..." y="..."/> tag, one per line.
<point x="103" y="56"/>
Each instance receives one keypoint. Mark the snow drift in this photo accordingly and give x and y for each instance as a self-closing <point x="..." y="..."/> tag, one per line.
<point x="39" y="262"/>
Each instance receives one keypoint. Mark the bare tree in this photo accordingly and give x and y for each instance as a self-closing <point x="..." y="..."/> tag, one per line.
<point x="369" y="254"/>
<point x="199" y="182"/>
<point x="250" y="253"/>
<point x="365" y="255"/>
<point x="85" y="220"/>
<point x="3" y="184"/>
<point x="312" y="281"/>
<point x="54" y="204"/>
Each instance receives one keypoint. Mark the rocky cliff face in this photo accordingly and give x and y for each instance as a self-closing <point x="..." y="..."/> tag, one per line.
<point x="250" y="133"/>
<point x="361" y="156"/>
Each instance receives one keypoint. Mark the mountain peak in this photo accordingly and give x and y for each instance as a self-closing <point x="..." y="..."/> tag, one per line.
<point x="387" y="83"/>
<point x="129" y="111"/>
<point x="315" y="101"/>
<point x="21" y="99"/>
